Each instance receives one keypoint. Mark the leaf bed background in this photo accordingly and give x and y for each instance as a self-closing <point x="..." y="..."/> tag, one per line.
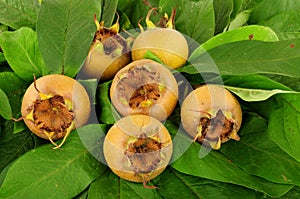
<point x="250" y="46"/>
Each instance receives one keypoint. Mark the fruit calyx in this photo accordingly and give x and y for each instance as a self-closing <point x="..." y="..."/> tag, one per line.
<point x="215" y="130"/>
<point x="140" y="87"/>
<point x="165" y="21"/>
<point x="108" y="40"/>
<point x="144" y="155"/>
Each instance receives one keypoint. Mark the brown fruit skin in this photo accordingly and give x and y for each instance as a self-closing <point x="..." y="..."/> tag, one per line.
<point x="167" y="44"/>
<point x="163" y="107"/>
<point x="116" y="139"/>
<point x="64" y="86"/>
<point x="102" y="66"/>
<point x="208" y="99"/>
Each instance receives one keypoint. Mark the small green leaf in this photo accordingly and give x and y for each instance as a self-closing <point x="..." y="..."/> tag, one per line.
<point x="5" y="109"/>
<point x="47" y="173"/>
<point x="21" y="51"/>
<point x="19" y="13"/>
<point x="19" y="127"/>
<point x="65" y="32"/>
<point x="254" y="95"/>
<point x="108" y="114"/>
<point x="240" y="20"/>
<point x="14" y="87"/>
<point x="152" y="56"/>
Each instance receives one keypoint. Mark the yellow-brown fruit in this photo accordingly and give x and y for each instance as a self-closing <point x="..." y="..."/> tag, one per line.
<point x="109" y="53"/>
<point x="211" y="115"/>
<point x="138" y="148"/>
<point x="53" y="105"/>
<point x="144" y="87"/>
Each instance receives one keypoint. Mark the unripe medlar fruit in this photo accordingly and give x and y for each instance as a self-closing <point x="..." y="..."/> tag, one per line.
<point x="138" y="148"/>
<point x="169" y="45"/>
<point x="211" y="115"/>
<point x="54" y="105"/>
<point x="108" y="53"/>
<point x="144" y="87"/>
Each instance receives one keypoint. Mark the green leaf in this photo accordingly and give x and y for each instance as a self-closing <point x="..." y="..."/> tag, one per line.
<point x="288" y="81"/>
<point x="12" y="146"/>
<point x="172" y="184"/>
<point x="90" y="86"/>
<point x="14" y="87"/>
<point x="19" y="13"/>
<point x="284" y="127"/>
<point x="105" y="186"/>
<point x="65" y="32"/>
<point x="21" y="51"/>
<point x="223" y="10"/>
<point x="109" y="11"/>
<point x="253" y="82"/>
<point x="5" y="108"/>
<point x="237" y="6"/>
<point x="249" y="57"/>
<point x="258" y="155"/>
<point x="240" y="20"/>
<point x="46" y="173"/>
<point x="137" y="10"/>
<point x="277" y="12"/>
<point x="202" y="27"/>
<point x="252" y="32"/>
<point x="108" y="114"/>
<point x="217" y="167"/>
<point x="254" y="95"/>
<point x="279" y="22"/>
<point x="2" y="58"/>
<point x="93" y="135"/>
<point x="110" y="186"/>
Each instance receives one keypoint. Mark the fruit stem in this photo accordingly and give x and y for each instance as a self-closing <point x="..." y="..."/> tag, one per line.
<point x="17" y="119"/>
<point x="149" y="186"/>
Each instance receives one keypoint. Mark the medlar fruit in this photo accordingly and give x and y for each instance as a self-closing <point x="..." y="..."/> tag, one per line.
<point x="109" y="53"/>
<point x="144" y="87"/>
<point x="138" y="148"/>
<point x="54" y="105"/>
<point x="211" y="115"/>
